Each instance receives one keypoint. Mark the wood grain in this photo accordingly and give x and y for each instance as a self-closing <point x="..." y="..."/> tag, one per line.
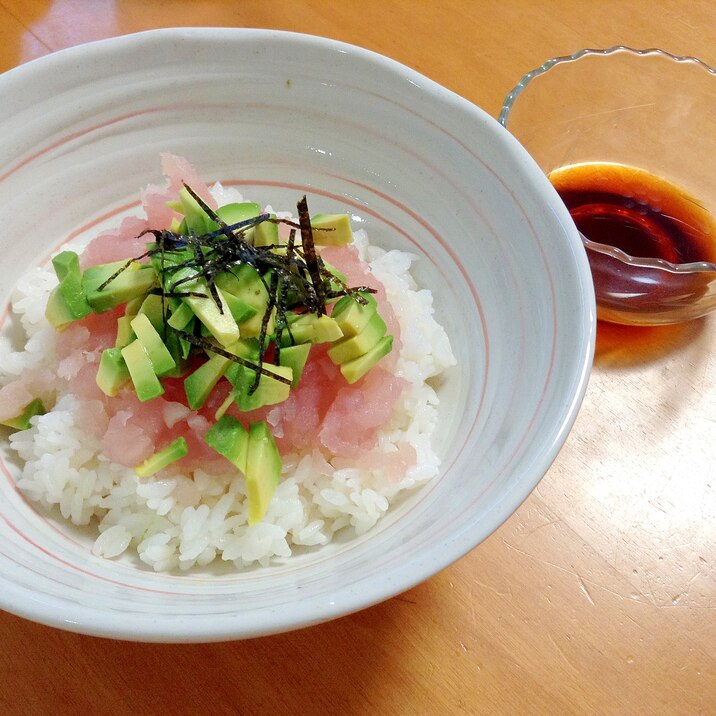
<point x="598" y="596"/>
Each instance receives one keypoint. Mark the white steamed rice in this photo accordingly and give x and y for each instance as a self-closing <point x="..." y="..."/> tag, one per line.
<point x="179" y="522"/>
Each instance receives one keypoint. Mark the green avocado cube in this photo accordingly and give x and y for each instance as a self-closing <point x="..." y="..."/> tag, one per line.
<point x="350" y="348"/>
<point x="331" y="229"/>
<point x="238" y="211"/>
<point x="22" y="421"/>
<point x="175" y="347"/>
<point x="240" y="310"/>
<point x="125" y="334"/>
<point x="354" y="370"/>
<point x="176" y="450"/>
<point x="218" y="320"/>
<point x="352" y="317"/>
<point x="153" y="344"/>
<point x="112" y="373"/>
<point x="230" y="439"/>
<point x="195" y="217"/>
<point x="141" y="371"/>
<point x="263" y="470"/>
<point x="269" y="390"/>
<point x="199" y="384"/>
<point x="181" y="316"/>
<point x="133" y="306"/>
<point x="266" y="233"/>
<point x="154" y="307"/>
<point x="310" y="328"/>
<point x="295" y="358"/>
<point x="247" y="285"/>
<point x="67" y="301"/>
<point x="134" y="281"/>
<point x="251" y="327"/>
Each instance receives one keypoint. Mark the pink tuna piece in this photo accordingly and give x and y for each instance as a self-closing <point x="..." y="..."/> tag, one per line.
<point x="126" y="442"/>
<point x="117" y="244"/>
<point x="13" y="398"/>
<point x="91" y="417"/>
<point x="178" y="171"/>
<point x="359" y="411"/>
<point x="33" y="383"/>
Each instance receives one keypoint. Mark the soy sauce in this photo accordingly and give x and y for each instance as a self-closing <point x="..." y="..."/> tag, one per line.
<point x="643" y="214"/>
<point x="647" y="217"/>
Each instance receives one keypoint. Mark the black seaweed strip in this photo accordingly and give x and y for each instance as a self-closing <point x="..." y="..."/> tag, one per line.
<point x="200" y="342"/>
<point x="309" y="252"/>
<point x="178" y="294"/>
<point x="120" y="270"/>
<point x="264" y="327"/>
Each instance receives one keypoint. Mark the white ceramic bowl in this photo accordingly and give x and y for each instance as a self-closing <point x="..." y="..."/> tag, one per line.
<point x="424" y="170"/>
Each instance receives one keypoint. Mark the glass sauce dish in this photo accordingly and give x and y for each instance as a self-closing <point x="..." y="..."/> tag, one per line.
<point x="628" y="139"/>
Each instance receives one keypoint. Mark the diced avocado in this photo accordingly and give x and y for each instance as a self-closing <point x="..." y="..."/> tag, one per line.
<point x="336" y="284"/>
<point x="158" y="353"/>
<point x="263" y="470"/>
<point x="269" y="391"/>
<point x="195" y="217"/>
<point x="134" y="281"/>
<point x="220" y="323"/>
<point x="310" y="328"/>
<point x="133" y="306"/>
<point x="67" y="301"/>
<point x="251" y="327"/>
<point x="185" y="345"/>
<point x="295" y="358"/>
<point x="237" y="212"/>
<point x="355" y="369"/>
<point x="22" y="421"/>
<point x="247" y="348"/>
<point x="331" y="229"/>
<point x="230" y="439"/>
<point x="199" y="384"/>
<point x="266" y="233"/>
<point x="57" y="312"/>
<point x="112" y="373"/>
<point x="355" y="346"/>
<point x="125" y="334"/>
<point x="181" y="317"/>
<point x="353" y="317"/>
<point x="66" y="263"/>
<point x="141" y="371"/>
<point x="247" y="285"/>
<point x="240" y="310"/>
<point x="176" y="450"/>
<point x="175" y="346"/>
<point x="153" y="307"/>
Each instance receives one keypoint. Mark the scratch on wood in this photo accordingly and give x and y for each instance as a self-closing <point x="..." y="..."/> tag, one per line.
<point x="574" y="574"/>
<point x="584" y="590"/>
<point x="563" y="655"/>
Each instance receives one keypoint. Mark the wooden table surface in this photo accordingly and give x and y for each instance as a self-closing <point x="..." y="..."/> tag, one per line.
<point x="599" y="595"/>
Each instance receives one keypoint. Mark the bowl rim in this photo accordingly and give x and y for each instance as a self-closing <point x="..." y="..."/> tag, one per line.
<point x="547" y="65"/>
<point x="208" y="627"/>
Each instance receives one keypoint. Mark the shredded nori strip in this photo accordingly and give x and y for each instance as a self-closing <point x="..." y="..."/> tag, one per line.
<point x="200" y="342"/>
<point x="298" y="273"/>
<point x="309" y="252"/>
<point x="121" y="269"/>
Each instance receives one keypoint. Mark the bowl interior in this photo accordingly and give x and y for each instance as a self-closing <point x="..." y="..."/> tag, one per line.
<point x="280" y="115"/>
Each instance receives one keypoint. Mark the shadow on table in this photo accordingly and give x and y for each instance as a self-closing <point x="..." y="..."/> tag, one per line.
<point x="620" y="346"/>
<point x="334" y="668"/>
